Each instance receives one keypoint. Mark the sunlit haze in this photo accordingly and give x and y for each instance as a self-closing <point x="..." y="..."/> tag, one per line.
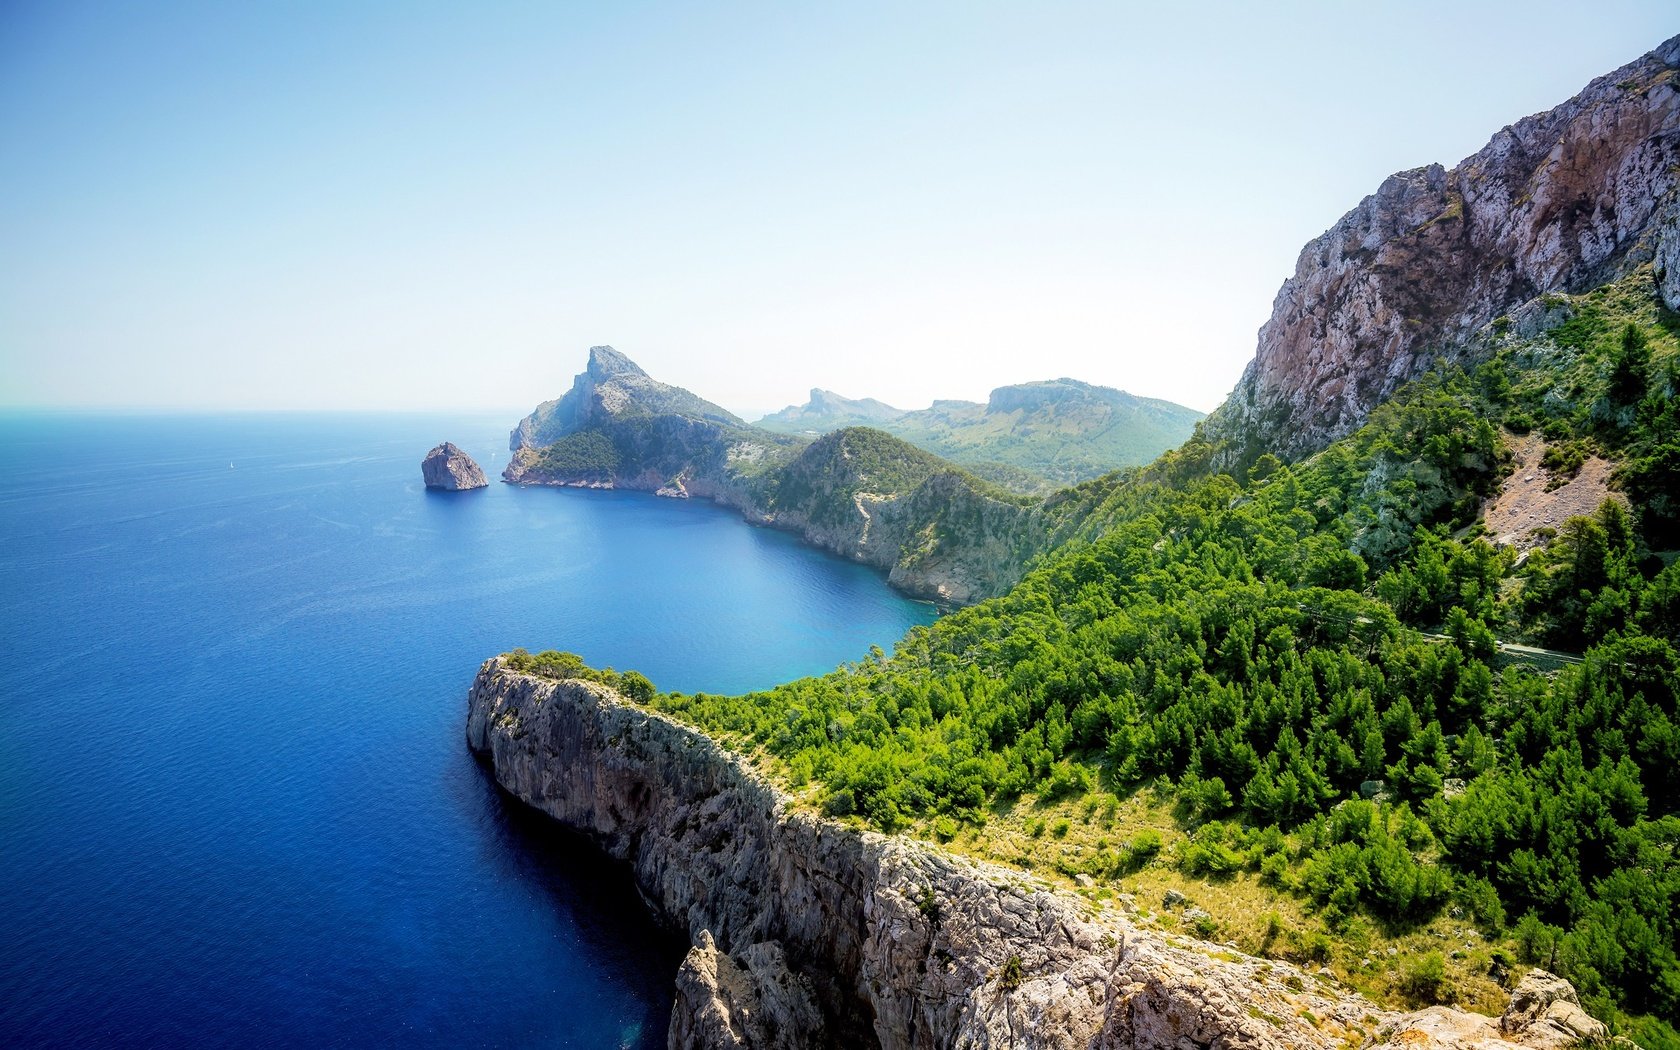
<point x="394" y="206"/>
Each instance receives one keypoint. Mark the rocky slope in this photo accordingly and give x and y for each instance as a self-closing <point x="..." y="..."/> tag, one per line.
<point x="1559" y="202"/>
<point x="807" y="933"/>
<point x="447" y="467"/>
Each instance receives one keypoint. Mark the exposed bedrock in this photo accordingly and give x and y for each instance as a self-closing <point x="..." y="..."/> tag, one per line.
<point x="1561" y="201"/>
<point x="447" y="467"/>
<point x="809" y="933"/>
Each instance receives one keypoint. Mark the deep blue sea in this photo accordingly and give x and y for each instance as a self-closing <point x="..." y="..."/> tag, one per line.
<point x="236" y="808"/>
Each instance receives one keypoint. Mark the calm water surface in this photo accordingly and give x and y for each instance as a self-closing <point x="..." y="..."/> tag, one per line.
<point x="235" y="803"/>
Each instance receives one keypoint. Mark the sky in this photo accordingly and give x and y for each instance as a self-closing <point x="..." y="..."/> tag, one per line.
<point x="426" y="206"/>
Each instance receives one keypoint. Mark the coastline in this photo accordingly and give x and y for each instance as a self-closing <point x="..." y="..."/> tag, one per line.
<point x="806" y="932"/>
<point x="879" y="537"/>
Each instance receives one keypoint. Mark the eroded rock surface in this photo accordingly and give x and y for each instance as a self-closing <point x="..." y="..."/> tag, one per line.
<point x="447" y="467"/>
<point x="808" y="933"/>
<point x="1558" y="202"/>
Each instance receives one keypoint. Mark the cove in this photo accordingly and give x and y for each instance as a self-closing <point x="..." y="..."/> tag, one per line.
<point x="234" y="796"/>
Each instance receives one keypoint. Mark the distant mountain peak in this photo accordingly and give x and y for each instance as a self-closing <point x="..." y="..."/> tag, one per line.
<point x="607" y="363"/>
<point x="827" y="411"/>
<point x="1029" y="436"/>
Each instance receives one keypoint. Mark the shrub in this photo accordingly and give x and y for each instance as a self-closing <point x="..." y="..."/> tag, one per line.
<point x="1425" y="977"/>
<point x="1011" y="975"/>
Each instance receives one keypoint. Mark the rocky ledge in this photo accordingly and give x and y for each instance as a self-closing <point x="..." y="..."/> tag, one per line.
<point x="447" y="467"/>
<point x="808" y="933"/>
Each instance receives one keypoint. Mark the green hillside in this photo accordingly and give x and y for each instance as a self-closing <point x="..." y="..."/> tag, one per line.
<point x="1034" y="437"/>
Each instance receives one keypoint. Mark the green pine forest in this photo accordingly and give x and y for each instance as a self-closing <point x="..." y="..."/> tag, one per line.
<point x="1249" y="646"/>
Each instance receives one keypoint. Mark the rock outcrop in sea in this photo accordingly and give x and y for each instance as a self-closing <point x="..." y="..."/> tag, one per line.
<point x="1561" y="201"/>
<point x="808" y="933"/>
<point x="447" y="467"/>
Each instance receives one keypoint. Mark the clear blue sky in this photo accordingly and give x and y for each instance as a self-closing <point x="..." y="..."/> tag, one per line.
<point x="414" y="205"/>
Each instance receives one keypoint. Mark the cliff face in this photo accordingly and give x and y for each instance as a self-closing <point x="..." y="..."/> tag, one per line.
<point x="1558" y="202"/>
<point x="447" y="467"/>
<point x="611" y="386"/>
<point x="807" y="933"/>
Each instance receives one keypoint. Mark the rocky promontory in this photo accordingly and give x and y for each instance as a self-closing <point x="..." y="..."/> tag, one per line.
<point x="447" y="467"/>
<point x="809" y="933"/>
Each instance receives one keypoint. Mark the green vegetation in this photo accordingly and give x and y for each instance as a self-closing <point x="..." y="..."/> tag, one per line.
<point x="1011" y="975"/>
<point x="586" y="455"/>
<point x="1249" y="652"/>
<point x="824" y="482"/>
<point x="1030" y="438"/>
<point x="551" y="663"/>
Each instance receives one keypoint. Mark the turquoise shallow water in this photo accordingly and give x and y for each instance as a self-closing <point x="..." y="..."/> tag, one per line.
<point x="235" y="804"/>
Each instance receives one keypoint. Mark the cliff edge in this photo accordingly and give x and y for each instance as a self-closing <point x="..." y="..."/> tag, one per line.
<point x="810" y="933"/>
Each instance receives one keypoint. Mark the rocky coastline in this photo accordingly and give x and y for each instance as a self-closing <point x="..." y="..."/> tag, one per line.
<point x="883" y="532"/>
<point x="809" y="933"/>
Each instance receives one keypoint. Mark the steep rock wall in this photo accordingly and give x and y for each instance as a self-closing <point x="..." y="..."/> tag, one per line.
<point x="1558" y="202"/>
<point x="808" y="933"/>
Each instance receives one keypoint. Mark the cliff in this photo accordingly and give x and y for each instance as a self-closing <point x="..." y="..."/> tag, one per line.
<point x="809" y="933"/>
<point x="1562" y="201"/>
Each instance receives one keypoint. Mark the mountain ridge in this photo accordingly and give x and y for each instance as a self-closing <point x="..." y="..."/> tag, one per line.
<point x="1034" y="437"/>
<point x="1559" y="202"/>
<point x="611" y="385"/>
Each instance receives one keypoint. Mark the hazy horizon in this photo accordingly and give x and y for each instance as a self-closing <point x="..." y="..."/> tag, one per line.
<point x="398" y="208"/>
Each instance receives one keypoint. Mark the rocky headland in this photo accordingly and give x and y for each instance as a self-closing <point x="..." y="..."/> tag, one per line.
<point x="447" y="467"/>
<point x="938" y="531"/>
<point x="809" y="933"/>
<point x="1030" y="437"/>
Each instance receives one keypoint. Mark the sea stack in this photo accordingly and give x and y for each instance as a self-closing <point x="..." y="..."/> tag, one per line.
<point x="447" y="467"/>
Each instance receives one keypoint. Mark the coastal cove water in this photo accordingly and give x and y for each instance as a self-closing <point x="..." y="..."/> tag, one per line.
<point x="236" y="808"/>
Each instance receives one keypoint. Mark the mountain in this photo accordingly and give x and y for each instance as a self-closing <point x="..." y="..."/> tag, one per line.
<point x="828" y="411"/>
<point x="1560" y="202"/>
<point x="937" y="529"/>
<point x="612" y="386"/>
<point x="1033" y="437"/>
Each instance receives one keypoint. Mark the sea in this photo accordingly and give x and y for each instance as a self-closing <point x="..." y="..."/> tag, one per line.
<point x="236" y="804"/>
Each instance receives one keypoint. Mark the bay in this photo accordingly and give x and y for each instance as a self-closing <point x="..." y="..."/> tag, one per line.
<point x="235" y="803"/>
